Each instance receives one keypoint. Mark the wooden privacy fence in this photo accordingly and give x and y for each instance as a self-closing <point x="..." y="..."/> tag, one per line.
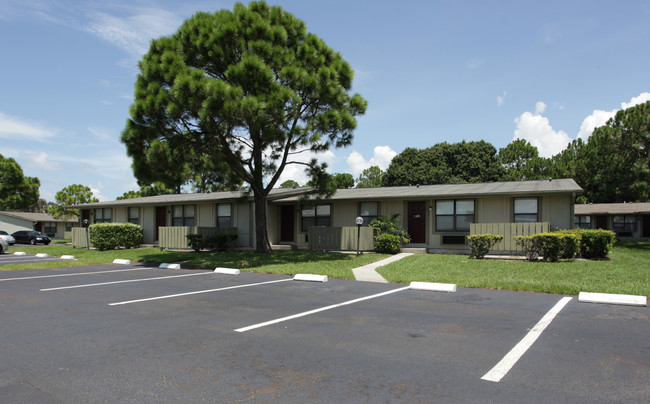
<point x="175" y="236"/>
<point x="79" y="238"/>
<point x="509" y="231"/>
<point x="340" y="238"/>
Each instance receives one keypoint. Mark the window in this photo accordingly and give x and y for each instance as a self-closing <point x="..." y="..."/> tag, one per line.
<point x="49" y="227"/>
<point x="68" y="226"/>
<point x="103" y="215"/>
<point x="134" y="215"/>
<point x="582" y="222"/>
<point x="315" y="216"/>
<point x="454" y="215"/>
<point x="183" y="215"/>
<point x="369" y="211"/>
<point x="224" y="215"/>
<point x="624" y="223"/>
<point x="525" y="210"/>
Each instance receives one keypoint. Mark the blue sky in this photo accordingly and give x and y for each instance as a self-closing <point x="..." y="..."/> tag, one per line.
<point x="431" y="71"/>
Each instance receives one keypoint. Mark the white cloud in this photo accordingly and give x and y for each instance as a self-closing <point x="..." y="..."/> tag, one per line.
<point x="133" y="33"/>
<point x="11" y="127"/>
<point x="501" y="99"/>
<point x="97" y="192"/>
<point x="475" y="63"/>
<point x="41" y="160"/>
<point x="600" y="117"/>
<point x="537" y="130"/>
<point x="382" y="156"/>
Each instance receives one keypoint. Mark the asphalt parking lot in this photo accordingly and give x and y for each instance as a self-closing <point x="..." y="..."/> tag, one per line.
<point x="115" y="333"/>
<point x="11" y="258"/>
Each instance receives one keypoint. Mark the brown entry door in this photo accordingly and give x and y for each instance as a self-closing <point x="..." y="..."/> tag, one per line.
<point x="287" y="223"/>
<point x="161" y="218"/>
<point x="417" y="221"/>
<point x="601" y="222"/>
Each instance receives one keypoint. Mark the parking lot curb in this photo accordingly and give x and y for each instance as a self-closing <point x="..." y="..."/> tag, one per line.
<point x="433" y="287"/>
<point x="20" y="253"/>
<point x="67" y="257"/>
<point x="169" y="266"/>
<point x="226" y="271"/>
<point x="310" y="278"/>
<point x="608" y="298"/>
<point x="121" y="262"/>
<point x="41" y="255"/>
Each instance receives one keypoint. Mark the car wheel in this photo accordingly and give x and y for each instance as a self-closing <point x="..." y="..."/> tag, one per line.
<point x="32" y="242"/>
<point x="46" y="243"/>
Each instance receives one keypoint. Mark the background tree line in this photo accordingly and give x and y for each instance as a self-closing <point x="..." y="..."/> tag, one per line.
<point x="613" y="165"/>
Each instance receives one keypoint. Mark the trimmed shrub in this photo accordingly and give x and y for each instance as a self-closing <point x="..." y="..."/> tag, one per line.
<point x="387" y="243"/>
<point x="571" y="243"/>
<point x="549" y="245"/>
<point x="480" y="244"/>
<point x="596" y="244"/>
<point x="195" y="241"/>
<point x="215" y="242"/>
<point x="109" y="236"/>
<point x="530" y="247"/>
<point x="220" y="242"/>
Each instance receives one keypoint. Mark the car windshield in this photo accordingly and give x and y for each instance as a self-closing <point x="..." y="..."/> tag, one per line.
<point x="4" y="233"/>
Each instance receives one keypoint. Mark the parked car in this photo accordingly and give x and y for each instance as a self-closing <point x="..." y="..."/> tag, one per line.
<point x="3" y="246"/>
<point x="7" y="237"/>
<point x="30" y="237"/>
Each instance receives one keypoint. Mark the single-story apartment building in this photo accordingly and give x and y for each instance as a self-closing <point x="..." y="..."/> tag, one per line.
<point x="437" y="217"/>
<point x="630" y="221"/>
<point x="42" y="222"/>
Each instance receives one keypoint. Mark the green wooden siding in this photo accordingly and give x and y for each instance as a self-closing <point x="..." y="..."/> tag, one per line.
<point x="340" y="238"/>
<point x="175" y="236"/>
<point x="509" y="231"/>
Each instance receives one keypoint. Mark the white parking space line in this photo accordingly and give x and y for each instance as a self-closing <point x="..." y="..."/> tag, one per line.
<point x="508" y="361"/>
<point x="307" y="313"/>
<point x="29" y="258"/>
<point x="198" y="292"/>
<point x="126" y="281"/>
<point x="73" y="274"/>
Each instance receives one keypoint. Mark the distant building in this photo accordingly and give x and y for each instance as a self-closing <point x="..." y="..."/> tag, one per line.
<point x="42" y="222"/>
<point x="630" y="221"/>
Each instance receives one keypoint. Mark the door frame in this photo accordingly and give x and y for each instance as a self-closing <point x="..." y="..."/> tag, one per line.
<point x="417" y="223"/>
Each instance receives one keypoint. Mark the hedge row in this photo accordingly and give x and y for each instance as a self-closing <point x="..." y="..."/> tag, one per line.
<point x="567" y="244"/>
<point x="109" y="236"/>
<point x="480" y="244"/>
<point x="215" y="242"/>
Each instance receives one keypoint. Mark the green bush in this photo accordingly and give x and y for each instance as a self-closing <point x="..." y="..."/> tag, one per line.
<point x="220" y="242"/>
<point x="549" y="245"/>
<point x="480" y="244"/>
<point x="109" y="236"/>
<point x="195" y="241"/>
<point x="215" y="242"/>
<point x="530" y="247"/>
<point x="571" y="243"/>
<point x="596" y="244"/>
<point x="387" y="243"/>
<point x="389" y="225"/>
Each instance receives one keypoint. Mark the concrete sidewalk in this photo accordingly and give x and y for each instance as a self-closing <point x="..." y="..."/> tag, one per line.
<point x="367" y="273"/>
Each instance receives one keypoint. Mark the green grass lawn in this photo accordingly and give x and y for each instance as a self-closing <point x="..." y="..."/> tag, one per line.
<point x="626" y="272"/>
<point x="333" y="265"/>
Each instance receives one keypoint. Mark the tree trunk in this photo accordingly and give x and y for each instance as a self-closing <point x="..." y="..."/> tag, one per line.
<point x="261" y="235"/>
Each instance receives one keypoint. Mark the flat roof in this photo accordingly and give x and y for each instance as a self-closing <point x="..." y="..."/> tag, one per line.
<point x="178" y="199"/>
<point x="536" y="187"/>
<point x="38" y="217"/>
<point x="612" y="208"/>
